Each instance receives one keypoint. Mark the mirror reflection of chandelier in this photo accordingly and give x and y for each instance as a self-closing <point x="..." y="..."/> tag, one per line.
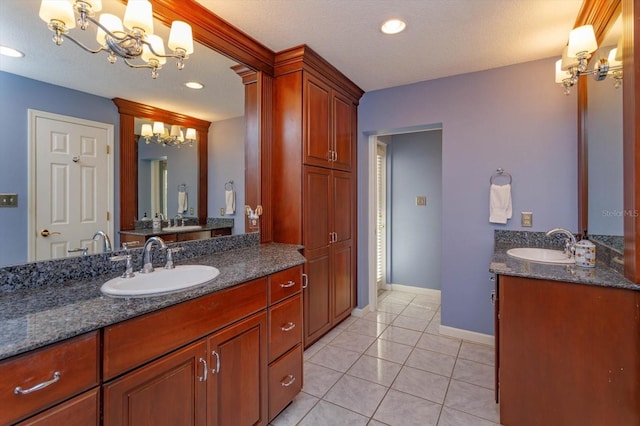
<point x="133" y="40"/>
<point x="159" y="134"/>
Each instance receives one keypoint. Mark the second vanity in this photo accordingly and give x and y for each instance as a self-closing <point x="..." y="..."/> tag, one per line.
<point x="567" y="344"/>
<point x="226" y="352"/>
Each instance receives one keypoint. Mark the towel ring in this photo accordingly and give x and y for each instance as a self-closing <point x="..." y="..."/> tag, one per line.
<point x="500" y="172"/>
<point x="228" y="185"/>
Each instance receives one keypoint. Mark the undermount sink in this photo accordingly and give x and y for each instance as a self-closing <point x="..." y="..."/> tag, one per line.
<point x="182" y="228"/>
<point x="161" y="281"/>
<point x="541" y="255"/>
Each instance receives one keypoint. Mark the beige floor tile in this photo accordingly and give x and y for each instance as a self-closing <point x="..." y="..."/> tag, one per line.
<point x="376" y="423"/>
<point x="401" y="335"/>
<point x="451" y="417"/>
<point x="484" y="354"/>
<point x="318" y="379"/>
<point x="392" y="307"/>
<point x="419" y="312"/>
<point x="346" y="322"/>
<point x="380" y="316"/>
<point x="332" y="334"/>
<point x="353" y="341"/>
<point x="312" y="350"/>
<point x="417" y="324"/>
<point x="422" y="384"/>
<point x="335" y="358"/>
<point x="356" y="395"/>
<point x="326" y="413"/>
<point x="431" y="361"/>
<point x="368" y="328"/>
<point x="375" y="370"/>
<point x="300" y="406"/>
<point x="472" y="399"/>
<point x="444" y="345"/>
<point x="390" y="351"/>
<point x="401" y="409"/>
<point x="401" y="296"/>
<point x="474" y="373"/>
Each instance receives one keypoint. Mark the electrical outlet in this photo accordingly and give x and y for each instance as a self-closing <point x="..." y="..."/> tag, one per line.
<point x="222" y="211"/>
<point x="191" y="211"/>
<point x="8" y="200"/>
<point x="526" y="219"/>
<point x="421" y="200"/>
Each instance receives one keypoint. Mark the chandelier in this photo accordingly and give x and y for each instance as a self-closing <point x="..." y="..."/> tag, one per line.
<point x="175" y="137"/>
<point x="575" y="58"/>
<point x="133" y="40"/>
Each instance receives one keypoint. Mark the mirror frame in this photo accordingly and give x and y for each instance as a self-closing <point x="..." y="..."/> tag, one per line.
<point x="215" y="33"/>
<point x="129" y="111"/>
<point x="602" y="15"/>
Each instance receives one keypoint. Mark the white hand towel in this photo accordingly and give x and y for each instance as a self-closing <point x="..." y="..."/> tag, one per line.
<point x="183" y="203"/>
<point x="230" y="200"/>
<point x="500" y="203"/>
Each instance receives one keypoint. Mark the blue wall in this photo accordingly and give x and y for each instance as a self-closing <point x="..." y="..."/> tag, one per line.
<point x="18" y="95"/>
<point x="415" y="244"/>
<point x="513" y="117"/>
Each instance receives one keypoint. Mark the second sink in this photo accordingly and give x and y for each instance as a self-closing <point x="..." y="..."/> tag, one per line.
<point x="542" y="255"/>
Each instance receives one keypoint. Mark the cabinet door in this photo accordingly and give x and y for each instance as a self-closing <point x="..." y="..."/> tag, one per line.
<point x="169" y="391"/>
<point x="237" y="386"/>
<point x="342" y="213"/>
<point x="316" y="125"/>
<point x="342" y="261"/>
<point x="344" y="143"/>
<point x="317" y="207"/>
<point x="83" y="410"/>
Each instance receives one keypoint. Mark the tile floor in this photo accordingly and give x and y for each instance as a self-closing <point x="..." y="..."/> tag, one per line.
<point x="392" y="367"/>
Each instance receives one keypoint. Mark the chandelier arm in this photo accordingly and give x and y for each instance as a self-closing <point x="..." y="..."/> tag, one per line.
<point x="126" y="61"/>
<point x="113" y="35"/>
<point x="88" y="49"/>
<point x="178" y="55"/>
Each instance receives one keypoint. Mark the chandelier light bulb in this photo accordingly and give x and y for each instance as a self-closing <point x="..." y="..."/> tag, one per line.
<point x="582" y="40"/>
<point x="181" y="37"/>
<point x="56" y="10"/>
<point x="139" y="15"/>
<point x="112" y="23"/>
<point x="158" y="48"/>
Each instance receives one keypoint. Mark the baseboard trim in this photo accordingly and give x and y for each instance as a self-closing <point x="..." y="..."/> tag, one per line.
<point x="360" y="312"/>
<point x="472" y="336"/>
<point x="411" y="289"/>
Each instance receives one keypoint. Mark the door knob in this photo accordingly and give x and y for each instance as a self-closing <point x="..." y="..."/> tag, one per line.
<point x="45" y="233"/>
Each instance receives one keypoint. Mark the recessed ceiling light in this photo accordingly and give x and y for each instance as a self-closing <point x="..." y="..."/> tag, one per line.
<point x="393" y="26"/>
<point x="9" y="51"/>
<point x="194" y="85"/>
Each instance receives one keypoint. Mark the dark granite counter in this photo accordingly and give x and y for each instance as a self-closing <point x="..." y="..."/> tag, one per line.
<point x="34" y="316"/>
<point x="601" y="275"/>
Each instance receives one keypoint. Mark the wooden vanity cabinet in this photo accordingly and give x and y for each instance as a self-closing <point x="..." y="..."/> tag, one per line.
<point x="314" y="177"/>
<point x="76" y="363"/>
<point x="568" y="353"/>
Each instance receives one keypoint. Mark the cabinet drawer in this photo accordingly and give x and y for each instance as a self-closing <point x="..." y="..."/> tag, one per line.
<point x="136" y="341"/>
<point x="285" y="381"/>
<point x="284" y="284"/>
<point x="79" y="411"/>
<point x="190" y="236"/>
<point x="285" y="326"/>
<point x="76" y="362"/>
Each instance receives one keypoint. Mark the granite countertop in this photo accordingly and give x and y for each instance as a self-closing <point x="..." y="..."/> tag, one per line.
<point x="149" y="232"/>
<point x="34" y="317"/>
<point x="601" y="275"/>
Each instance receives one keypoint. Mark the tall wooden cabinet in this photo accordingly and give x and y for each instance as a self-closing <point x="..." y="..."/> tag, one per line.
<point x="314" y="181"/>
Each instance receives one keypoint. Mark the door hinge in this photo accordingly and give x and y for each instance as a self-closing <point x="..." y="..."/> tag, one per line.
<point x="108" y="216"/>
<point x="108" y="149"/>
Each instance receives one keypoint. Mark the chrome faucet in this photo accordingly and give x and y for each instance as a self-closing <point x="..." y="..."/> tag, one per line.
<point x="147" y="262"/>
<point x="569" y="242"/>
<point x="106" y="242"/>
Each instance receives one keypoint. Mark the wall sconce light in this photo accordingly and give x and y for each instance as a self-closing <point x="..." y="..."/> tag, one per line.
<point x="158" y="134"/>
<point x="576" y="55"/>
<point x="134" y="39"/>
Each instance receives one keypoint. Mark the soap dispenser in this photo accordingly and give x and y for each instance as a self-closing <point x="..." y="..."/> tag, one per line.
<point x="157" y="225"/>
<point x="585" y="252"/>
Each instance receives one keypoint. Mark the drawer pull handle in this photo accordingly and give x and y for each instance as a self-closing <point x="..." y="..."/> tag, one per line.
<point x="305" y="280"/>
<point x="206" y="370"/>
<point x="290" y="326"/>
<point x="290" y="379"/>
<point x="288" y="284"/>
<point x="19" y="391"/>
<point x="217" y="369"/>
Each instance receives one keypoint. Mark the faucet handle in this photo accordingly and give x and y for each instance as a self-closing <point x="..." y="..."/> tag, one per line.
<point x="127" y="245"/>
<point x="170" y="251"/>
<point x="128" y="273"/>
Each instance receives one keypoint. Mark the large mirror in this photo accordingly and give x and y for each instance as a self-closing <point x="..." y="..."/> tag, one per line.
<point x="68" y="81"/>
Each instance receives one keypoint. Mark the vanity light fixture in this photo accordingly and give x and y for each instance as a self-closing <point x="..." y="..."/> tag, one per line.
<point x="11" y="52"/>
<point x="393" y="26"/>
<point x="129" y="39"/>
<point x="194" y="85"/>
<point x="175" y="137"/>
<point x="576" y="55"/>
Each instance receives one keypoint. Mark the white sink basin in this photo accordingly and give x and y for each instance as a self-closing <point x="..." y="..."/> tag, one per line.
<point x="541" y="255"/>
<point x="182" y="228"/>
<point x="160" y="281"/>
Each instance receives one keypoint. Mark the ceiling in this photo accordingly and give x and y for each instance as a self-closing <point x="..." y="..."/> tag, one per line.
<point x="443" y="38"/>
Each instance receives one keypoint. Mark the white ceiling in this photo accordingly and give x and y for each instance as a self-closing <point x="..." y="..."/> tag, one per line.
<point x="443" y="38"/>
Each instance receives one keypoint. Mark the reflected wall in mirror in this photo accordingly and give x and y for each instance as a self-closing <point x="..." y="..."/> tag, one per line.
<point x="87" y="83"/>
<point x="604" y="140"/>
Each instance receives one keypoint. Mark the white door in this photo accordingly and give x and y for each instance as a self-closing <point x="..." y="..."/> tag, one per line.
<point x="381" y="213"/>
<point x="71" y="185"/>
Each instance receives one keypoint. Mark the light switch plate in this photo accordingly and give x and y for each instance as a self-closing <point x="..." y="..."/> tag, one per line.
<point x="421" y="200"/>
<point x="8" y="200"/>
<point x="191" y="211"/>
<point x="526" y="219"/>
